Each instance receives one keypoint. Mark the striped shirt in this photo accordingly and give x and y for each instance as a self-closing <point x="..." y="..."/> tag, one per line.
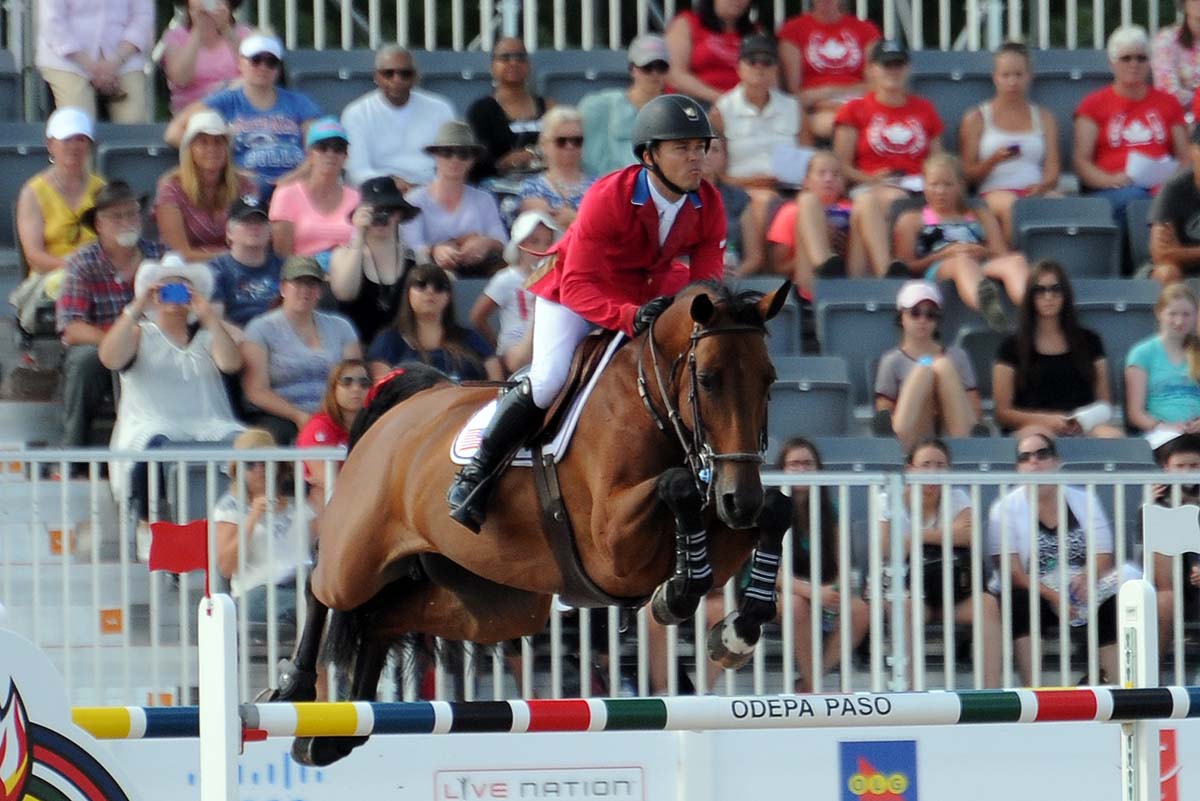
<point x="92" y="291"/>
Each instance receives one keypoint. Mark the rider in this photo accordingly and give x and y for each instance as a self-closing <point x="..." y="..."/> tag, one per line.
<point x="616" y="267"/>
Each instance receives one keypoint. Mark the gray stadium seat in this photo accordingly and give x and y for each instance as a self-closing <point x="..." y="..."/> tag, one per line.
<point x="140" y="165"/>
<point x="860" y="454"/>
<point x="11" y="104"/>
<point x="465" y="292"/>
<point x="568" y="75"/>
<point x="332" y="58"/>
<point x="856" y="320"/>
<point x="460" y="88"/>
<point x="1080" y="454"/>
<point x="811" y="395"/>
<point x="982" y="454"/>
<point x="332" y="88"/>
<point x="1077" y="232"/>
<point x="18" y="163"/>
<point x="1059" y="88"/>
<point x="981" y="345"/>
<point x="1138" y="230"/>
<point x="148" y="133"/>
<point x="1121" y="312"/>
<point x="784" y="329"/>
<point x="954" y="94"/>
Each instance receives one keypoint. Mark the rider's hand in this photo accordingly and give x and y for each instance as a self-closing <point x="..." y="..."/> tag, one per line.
<point x="648" y="311"/>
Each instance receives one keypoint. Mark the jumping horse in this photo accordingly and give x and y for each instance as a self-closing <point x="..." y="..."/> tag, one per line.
<point x="660" y="485"/>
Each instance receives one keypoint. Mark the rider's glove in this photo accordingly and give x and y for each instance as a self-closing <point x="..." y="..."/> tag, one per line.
<point x="648" y="311"/>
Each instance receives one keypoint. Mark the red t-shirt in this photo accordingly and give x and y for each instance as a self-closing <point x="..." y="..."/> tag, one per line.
<point x="891" y="138"/>
<point x="321" y="431"/>
<point x="1128" y="125"/>
<point x="832" y="54"/>
<point x="714" y="55"/>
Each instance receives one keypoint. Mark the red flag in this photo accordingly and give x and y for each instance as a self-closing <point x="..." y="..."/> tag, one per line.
<point x="179" y="548"/>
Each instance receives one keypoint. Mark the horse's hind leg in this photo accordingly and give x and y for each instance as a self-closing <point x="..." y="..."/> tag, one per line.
<point x="677" y="599"/>
<point x="368" y="666"/>
<point x="298" y="676"/>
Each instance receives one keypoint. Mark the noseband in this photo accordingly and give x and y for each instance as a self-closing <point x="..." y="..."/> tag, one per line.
<point x="698" y="453"/>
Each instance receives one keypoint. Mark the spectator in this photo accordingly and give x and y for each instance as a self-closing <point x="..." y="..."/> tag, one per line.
<point x="949" y="241"/>
<point x="459" y="228"/>
<point x="200" y="56"/>
<point x="1129" y="117"/>
<point x="410" y="116"/>
<point x="425" y="331"/>
<point x="824" y="59"/>
<point x="1175" y="54"/>
<point x="366" y="274"/>
<point x="277" y="535"/>
<point x="345" y="396"/>
<point x="608" y="114"/>
<point x="247" y="277"/>
<point x="559" y="190"/>
<point x="924" y="388"/>
<point x="882" y="140"/>
<point x="1009" y="146"/>
<point x="1162" y="372"/>
<point x="745" y="240"/>
<point x="90" y="48"/>
<point x="193" y="200"/>
<point x="1175" y="223"/>
<point x="97" y="286"/>
<point x="171" y="373"/>
<point x="52" y="202"/>
<point x="267" y="121"/>
<point x="311" y="215"/>
<point x="1052" y="367"/>
<point x="703" y="45"/>
<point x="1180" y="453"/>
<point x="290" y="351"/>
<point x="1087" y="526"/>
<point x="932" y="455"/>
<point x="532" y="235"/>
<point x="508" y="120"/>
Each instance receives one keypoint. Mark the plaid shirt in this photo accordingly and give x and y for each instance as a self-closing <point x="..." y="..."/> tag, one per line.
<point x="92" y="292"/>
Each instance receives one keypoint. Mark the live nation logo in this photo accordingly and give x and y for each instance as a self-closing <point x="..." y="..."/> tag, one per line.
<point x="578" y="784"/>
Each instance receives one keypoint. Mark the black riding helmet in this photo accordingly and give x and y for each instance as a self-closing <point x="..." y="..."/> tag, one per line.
<point x="664" y="119"/>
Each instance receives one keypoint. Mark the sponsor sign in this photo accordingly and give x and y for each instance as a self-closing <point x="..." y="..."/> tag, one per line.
<point x="580" y="784"/>
<point x="878" y="770"/>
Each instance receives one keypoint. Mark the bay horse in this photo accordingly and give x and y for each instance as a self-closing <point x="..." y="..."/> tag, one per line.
<point x="660" y="482"/>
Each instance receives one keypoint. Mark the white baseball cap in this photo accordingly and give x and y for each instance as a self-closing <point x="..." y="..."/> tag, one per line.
<point x="205" y="121"/>
<point x="257" y="43"/>
<point x="915" y="292"/>
<point x="646" y="49"/>
<point x="67" y="122"/>
<point x="523" y="227"/>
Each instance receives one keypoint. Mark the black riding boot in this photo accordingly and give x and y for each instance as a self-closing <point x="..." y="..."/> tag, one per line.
<point x="517" y="418"/>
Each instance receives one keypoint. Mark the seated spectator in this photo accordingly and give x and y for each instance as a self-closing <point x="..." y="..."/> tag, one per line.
<point x="365" y="275"/>
<point x="1009" y="146"/>
<point x="200" y="56"/>
<point x="824" y="58"/>
<point x="459" y="227"/>
<point x="926" y="389"/>
<point x="508" y="120"/>
<point x="171" y="374"/>
<point x="98" y="282"/>
<point x="1180" y="453"/>
<point x="947" y="240"/>
<point x="882" y="140"/>
<point x="745" y="238"/>
<point x="932" y="455"/>
<point x="290" y="351"/>
<point x="247" y="277"/>
<point x="277" y="537"/>
<point x="1162" y="372"/>
<point x="193" y="200"/>
<point x="703" y="44"/>
<point x="311" y="215"/>
<point x="410" y="116"/>
<point x="1010" y="517"/>
<point x="267" y="121"/>
<point x="559" y="190"/>
<point x="608" y="113"/>
<point x="1175" y="54"/>
<point x="88" y="50"/>
<point x="1174" y="219"/>
<point x="51" y="204"/>
<point x="425" y="331"/>
<point x="345" y="396"/>
<point x="532" y="235"/>
<point x="1052" y="367"/>
<point x="1129" y="117"/>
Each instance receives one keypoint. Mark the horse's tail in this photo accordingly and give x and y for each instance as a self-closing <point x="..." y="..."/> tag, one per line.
<point x="344" y="639"/>
<point x="401" y="384"/>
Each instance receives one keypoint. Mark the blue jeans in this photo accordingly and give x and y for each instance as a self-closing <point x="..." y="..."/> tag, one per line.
<point x="255" y="602"/>
<point x="1119" y="199"/>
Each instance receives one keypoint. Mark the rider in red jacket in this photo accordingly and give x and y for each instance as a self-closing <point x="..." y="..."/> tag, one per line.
<point x="616" y="267"/>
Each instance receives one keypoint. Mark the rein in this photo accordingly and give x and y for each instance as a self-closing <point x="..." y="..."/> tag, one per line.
<point x="698" y="453"/>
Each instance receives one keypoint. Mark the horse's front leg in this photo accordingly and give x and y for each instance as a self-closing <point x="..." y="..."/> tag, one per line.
<point x="677" y="598"/>
<point x="731" y="641"/>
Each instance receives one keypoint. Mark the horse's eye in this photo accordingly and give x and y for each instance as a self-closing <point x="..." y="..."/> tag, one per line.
<point x="707" y="381"/>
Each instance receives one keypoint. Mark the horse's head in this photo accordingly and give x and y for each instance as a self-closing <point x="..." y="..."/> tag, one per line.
<point x="718" y="374"/>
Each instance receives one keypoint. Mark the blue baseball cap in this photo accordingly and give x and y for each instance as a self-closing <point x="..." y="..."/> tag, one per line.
<point x="324" y="128"/>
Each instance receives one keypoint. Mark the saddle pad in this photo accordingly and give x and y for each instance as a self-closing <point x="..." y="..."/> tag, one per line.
<point x="467" y="441"/>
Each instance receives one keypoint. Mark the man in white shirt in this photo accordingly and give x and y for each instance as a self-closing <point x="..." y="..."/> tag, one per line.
<point x="391" y="125"/>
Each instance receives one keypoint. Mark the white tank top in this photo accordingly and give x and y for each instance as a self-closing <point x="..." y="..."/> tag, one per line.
<point x="1023" y="171"/>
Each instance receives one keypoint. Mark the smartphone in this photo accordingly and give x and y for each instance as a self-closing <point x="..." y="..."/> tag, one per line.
<point x="177" y="294"/>
<point x="1014" y="149"/>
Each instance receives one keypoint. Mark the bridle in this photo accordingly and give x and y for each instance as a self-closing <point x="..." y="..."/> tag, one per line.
<point x="698" y="453"/>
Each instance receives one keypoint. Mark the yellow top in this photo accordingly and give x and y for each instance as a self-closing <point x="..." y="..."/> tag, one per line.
<point x="62" y="232"/>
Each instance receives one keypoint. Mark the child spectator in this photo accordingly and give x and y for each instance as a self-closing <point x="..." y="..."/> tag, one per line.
<point x="1162" y="372"/>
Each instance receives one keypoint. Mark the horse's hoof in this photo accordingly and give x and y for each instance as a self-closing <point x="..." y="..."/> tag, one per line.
<point x="317" y="752"/>
<point x="726" y="648"/>
<point x="661" y="608"/>
<point x="294" y="684"/>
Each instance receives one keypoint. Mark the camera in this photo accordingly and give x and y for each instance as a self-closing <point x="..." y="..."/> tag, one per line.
<point x="380" y="216"/>
<point x="175" y="293"/>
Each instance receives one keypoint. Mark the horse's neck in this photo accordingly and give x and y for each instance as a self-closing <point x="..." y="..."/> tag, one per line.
<point x="617" y="407"/>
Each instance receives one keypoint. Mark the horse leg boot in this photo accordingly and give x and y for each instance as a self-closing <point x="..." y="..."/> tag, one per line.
<point x="517" y="418"/>
<point x="677" y="599"/>
<point x="298" y="675"/>
<point x="731" y="641"/>
<point x="368" y="667"/>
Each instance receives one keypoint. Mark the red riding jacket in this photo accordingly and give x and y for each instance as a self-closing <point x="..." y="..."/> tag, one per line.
<point x="609" y="261"/>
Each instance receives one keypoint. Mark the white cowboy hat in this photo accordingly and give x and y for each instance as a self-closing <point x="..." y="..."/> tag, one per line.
<point x="173" y="266"/>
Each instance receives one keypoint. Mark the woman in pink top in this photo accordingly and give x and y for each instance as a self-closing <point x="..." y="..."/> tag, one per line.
<point x="703" y="44"/>
<point x="310" y="215"/>
<point x="1175" y="54"/>
<point x="201" y="55"/>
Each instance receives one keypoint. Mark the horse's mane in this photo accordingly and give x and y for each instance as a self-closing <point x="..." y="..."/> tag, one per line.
<point x="409" y="379"/>
<point x="742" y="307"/>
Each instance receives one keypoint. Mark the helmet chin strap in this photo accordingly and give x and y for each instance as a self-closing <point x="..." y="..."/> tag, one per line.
<point x="667" y="182"/>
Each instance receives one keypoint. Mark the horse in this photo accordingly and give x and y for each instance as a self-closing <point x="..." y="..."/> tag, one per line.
<point x="660" y="482"/>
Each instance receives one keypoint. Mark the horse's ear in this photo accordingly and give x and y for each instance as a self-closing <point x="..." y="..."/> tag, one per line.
<point x="702" y="308"/>
<point x="770" y="305"/>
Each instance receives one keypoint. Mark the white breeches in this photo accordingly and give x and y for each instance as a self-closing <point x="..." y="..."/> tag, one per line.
<point x="556" y="332"/>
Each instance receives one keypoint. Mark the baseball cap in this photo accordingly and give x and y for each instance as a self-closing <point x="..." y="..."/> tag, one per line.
<point x="205" y="121"/>
<point x="67" y="122"/>
<point x="301" y="267"/>
<point x="247" y="206"/>
<point x="646" y="49"/>
<point x="889" y="51"/>
<point x="757" y="45"/>
<point x="916" y="292"/>
<point x="257" y="43"/>
<point x="323" y="129"/>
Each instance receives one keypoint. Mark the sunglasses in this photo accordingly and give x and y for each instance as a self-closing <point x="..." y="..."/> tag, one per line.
<point x="568" y="141"/>
<point x="460" y="153"/>
<point x="928" y="314"/>
<point x="656" y="66"/>
<point x="519" y="57"/>
<point x="407" y="73"/>
<point x="265" y="60"/>
<point x="1138" y="57"/>
<point x="1047" y="289"/>
<point x="760" y="61"/>
<point x="1040" y="455"/>
<point x="332" y="145"/>
<point x="362" y="382"/>
<point x="428" y="283"/>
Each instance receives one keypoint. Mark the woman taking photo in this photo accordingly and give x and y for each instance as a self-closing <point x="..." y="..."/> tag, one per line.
<point x="1162" y="372"/>
<point x="310" y="216"/>
<point x="508" y="120"/>
<point x="559" y="190"/>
